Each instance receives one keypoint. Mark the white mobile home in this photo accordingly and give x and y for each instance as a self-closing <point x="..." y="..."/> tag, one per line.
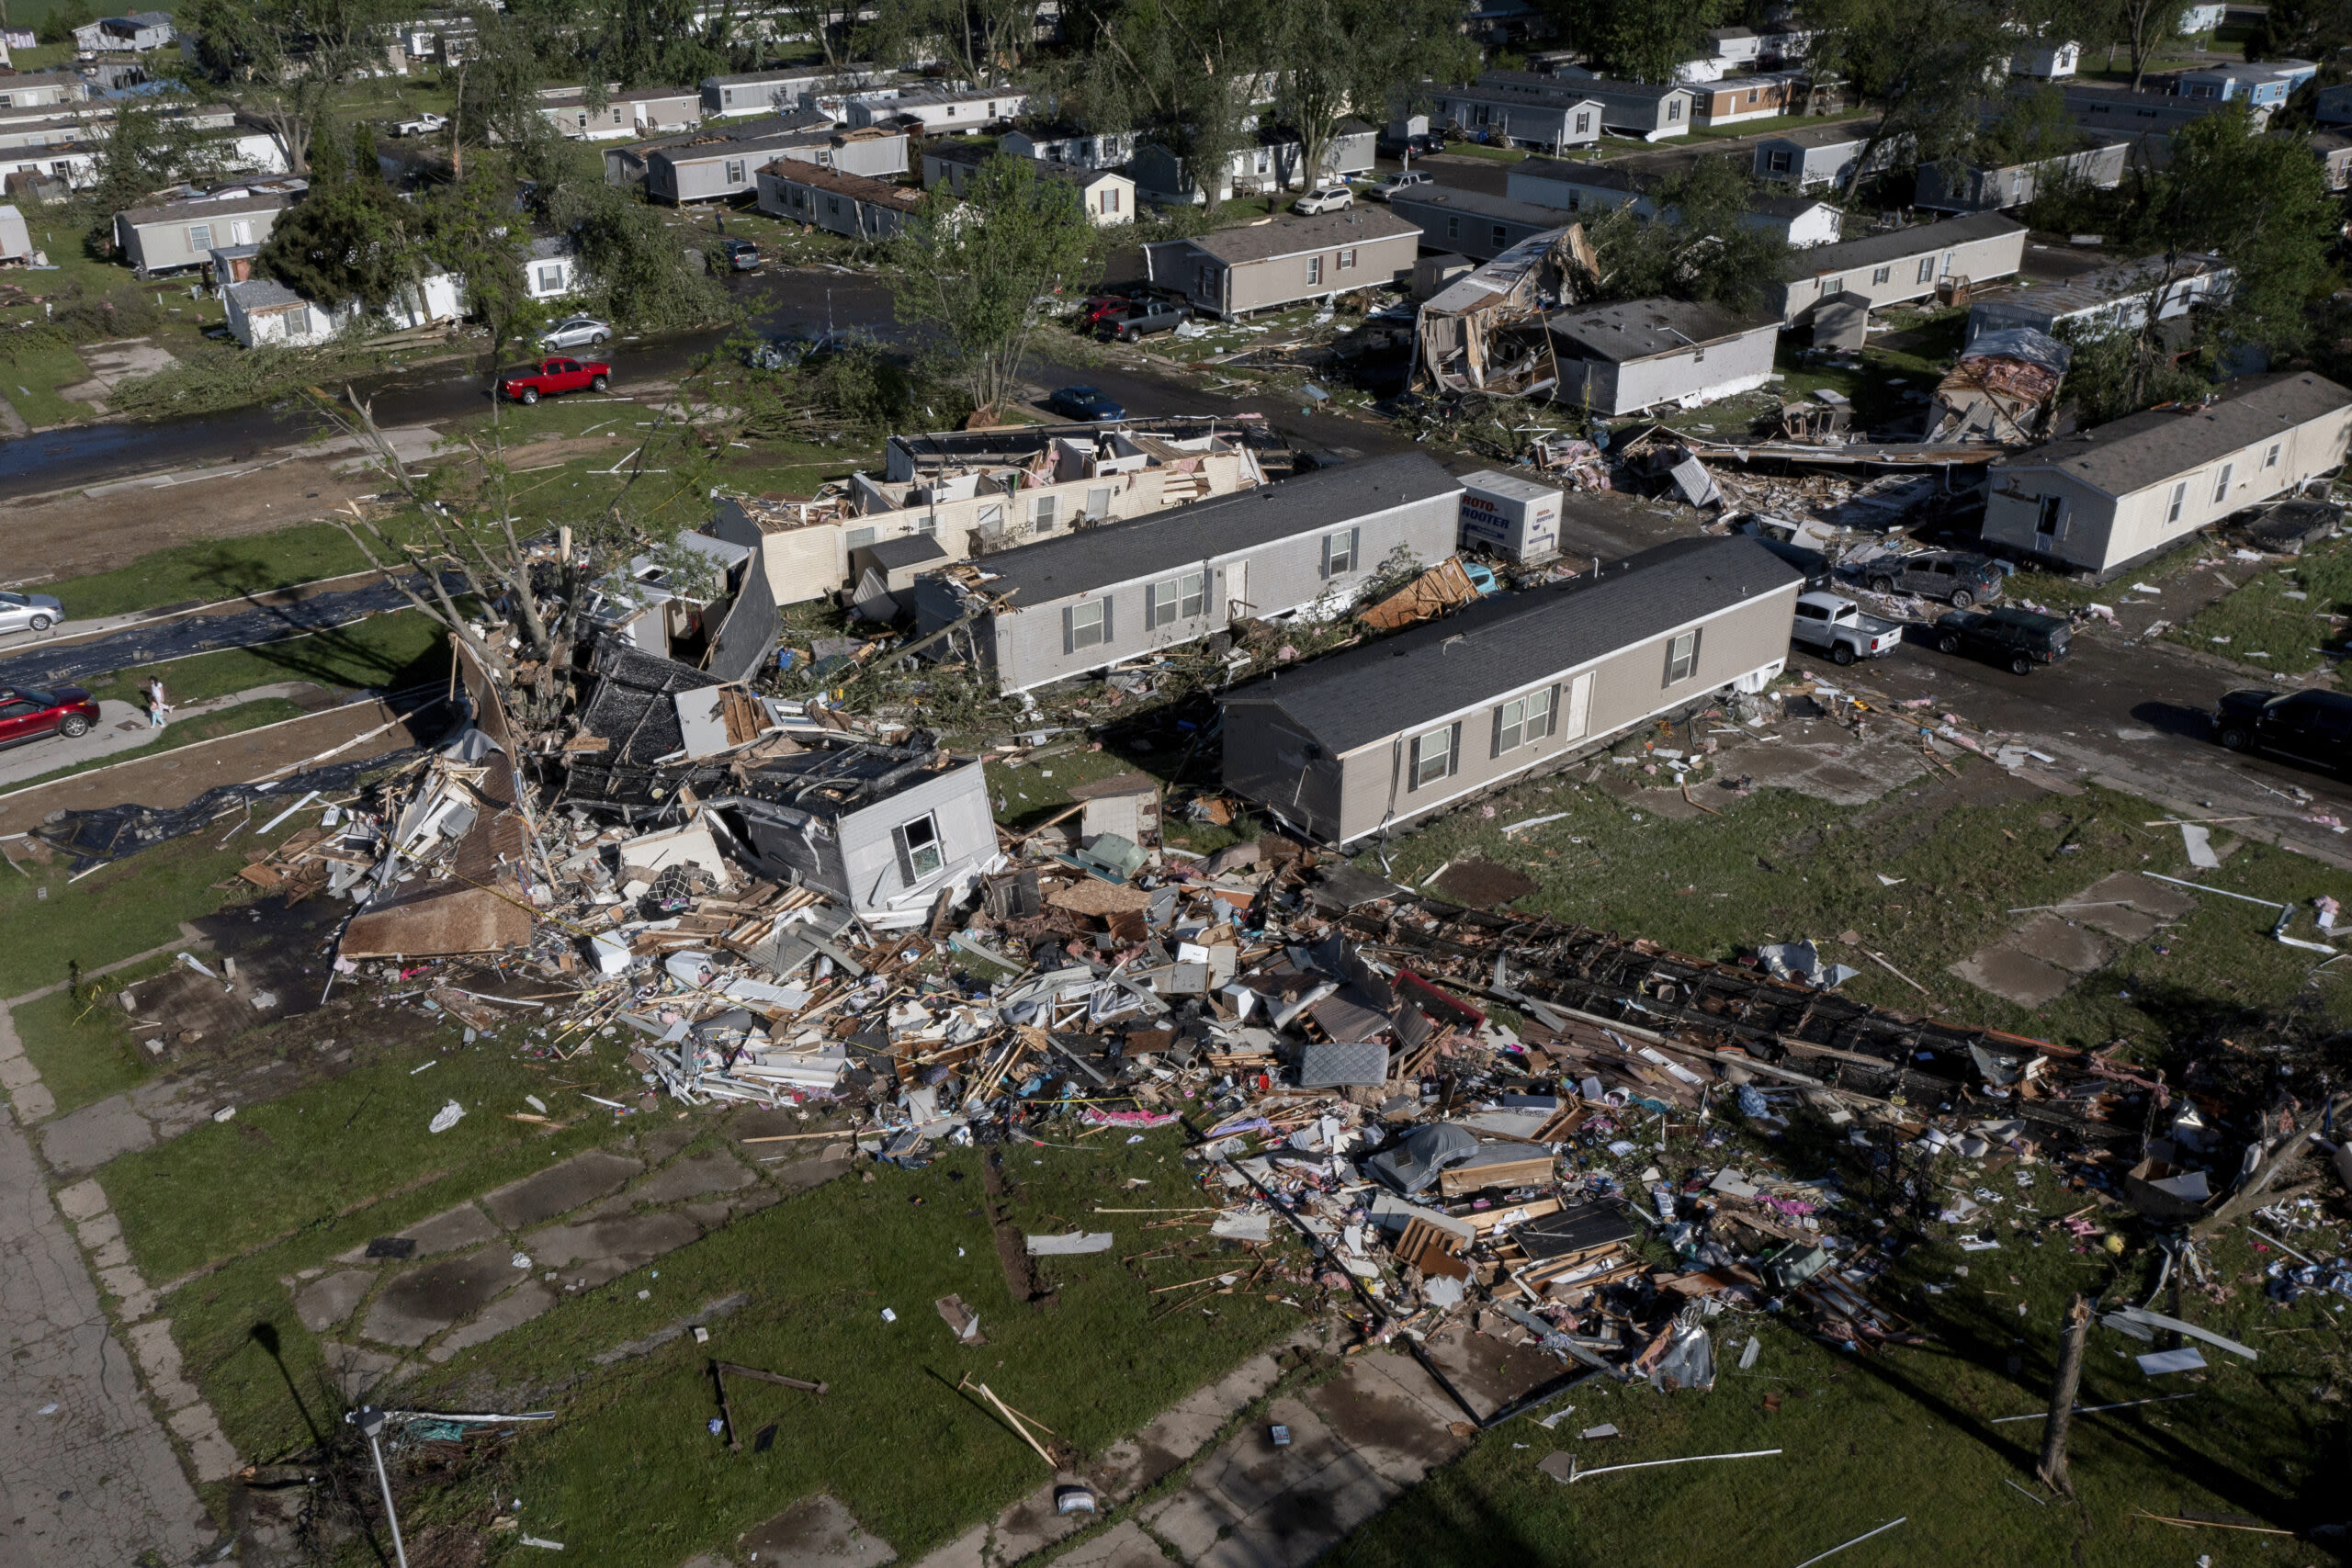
<point x="1641" y="354"/>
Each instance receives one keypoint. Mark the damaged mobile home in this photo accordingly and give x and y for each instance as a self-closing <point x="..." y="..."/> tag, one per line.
<point x="974" y="491"/>
<point x="1368" y="740"/>
<point x="1097" y="597"/>
<point x="1485" y="332"/>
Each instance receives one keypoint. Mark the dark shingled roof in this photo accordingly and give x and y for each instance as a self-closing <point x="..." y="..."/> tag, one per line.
<point x="2144" y="449"/>
<point x="1150" y="545"/>
<point x="1295" y="235"/>
<point x="1402" y="682"/>
<point x="1477" y="203"/>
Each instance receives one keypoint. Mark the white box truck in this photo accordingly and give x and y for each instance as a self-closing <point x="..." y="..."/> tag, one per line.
<point x="1515" y="518"/>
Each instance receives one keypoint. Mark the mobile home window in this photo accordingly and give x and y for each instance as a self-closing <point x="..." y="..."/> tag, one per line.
<point x="857" y="536"/>
<point x="1777" y="162"/>
<point x="1673" y="108"/>
<point x="1348" y="260"/>
<point x="2179" y="499"/>
<point x="1682" y="657"/>
<point x="1927" y="269"/>
<point x="920" y="854"/>
<point x="1315" y="269"/>
<point x="1882" y="274"/>
<point x="1454" y="228"/>
<point x="1502" y="237"/>
<point x="1098" y="502"/>
<point x="2221" y="482"/>
<point x="1041" y="518"/>
<point x="551" y="279"/>
<point x="1433" y="755"/>
<point x="2271" y="458"/>
<point x="1340" y="552"/>
<point x="1584" y="122"/>
<point x="199" y="236"/>
<point x="1160" y="604"/>
<point x="734" y="170"/>
<point x="1089" y="623"/>
<point x="2050" y="514"/>
<point x="1522" y="720"/>
<point x="1192" y="593"/>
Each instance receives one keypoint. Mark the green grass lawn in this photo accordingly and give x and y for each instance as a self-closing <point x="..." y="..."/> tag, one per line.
<point x="2280" y="618"/>
<point x="1774" y="126"/>
<point x="30" y="377"/>
<point x="209" y="570"/>
<point x="80" y="1042"/>
<point x="386" y="653"/>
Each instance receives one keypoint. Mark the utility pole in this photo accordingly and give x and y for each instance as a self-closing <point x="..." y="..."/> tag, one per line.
<point x="2052" y="1468"/>
<point x="371" y="1420"/>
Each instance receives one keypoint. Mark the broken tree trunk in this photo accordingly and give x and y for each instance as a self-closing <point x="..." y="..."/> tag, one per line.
<point x="2052" y="1468"/>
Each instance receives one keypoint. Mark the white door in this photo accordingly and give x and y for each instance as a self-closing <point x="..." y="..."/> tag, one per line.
<point x="1236" y="589"/>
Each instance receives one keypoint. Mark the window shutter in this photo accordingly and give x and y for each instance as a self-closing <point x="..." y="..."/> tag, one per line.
<point x="1069" y="628"/>
<point x="1327" y="555"/>
<point x="1454" y="751"/>
<point x="1698" y="640"/>
<point x="1107" y="633"/>
<point x="1413" y="765"/>
<point x="1355" y="549"/>
<point x="1150" y="605"/>
<point x="1552" y="714"/>
<point x="1495" y="745"/>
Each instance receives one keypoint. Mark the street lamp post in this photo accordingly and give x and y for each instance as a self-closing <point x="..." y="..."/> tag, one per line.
<point x="371" y="1420"/>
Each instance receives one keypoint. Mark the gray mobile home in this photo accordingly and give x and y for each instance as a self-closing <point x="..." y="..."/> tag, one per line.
<point x="848" y="204"/>
<point x="1268" y="265"/>
<point x="1471" y="223"/>
<point x="1954" y="185"/>
<point x="182" y="234"/>
<point x="1522" y="109"/>
<point x="1638" y="109"/>
<point x="1370" y="740"/>
<point x="1821" y="154"/>
<point x="1103" y="595"/>
<point x="726" y="164"/>
<point x="1903" y="265"/>
<point x="1639" y="353"/>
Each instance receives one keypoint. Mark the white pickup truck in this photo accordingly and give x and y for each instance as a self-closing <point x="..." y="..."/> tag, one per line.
<point x="1838" y="627"/>
<point x="423" y="125"/>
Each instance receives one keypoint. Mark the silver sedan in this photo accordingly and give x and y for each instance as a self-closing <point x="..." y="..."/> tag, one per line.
<point x="577" y="331"/>
<point x="29" y="611"/>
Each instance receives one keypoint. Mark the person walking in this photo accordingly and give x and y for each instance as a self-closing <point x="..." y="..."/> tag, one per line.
<point x="158" y="708"/>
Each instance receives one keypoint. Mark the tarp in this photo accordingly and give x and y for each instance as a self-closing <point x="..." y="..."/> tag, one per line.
<point x="109" y="832"/>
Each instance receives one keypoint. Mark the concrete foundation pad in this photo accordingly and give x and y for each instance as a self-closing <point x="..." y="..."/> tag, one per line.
<point x="800" y="1176"/>
<point x="2014" y="976"/>
<point x="422" y="1301"/>
<point x="83" y="1201"/>
<point x="560" y="1189"/>
<point x="2145" y="894"/>
<point x="512" y="1311"/>
<point x="325" y="1303"/>
<point x="1124" y="1546"/>
<point x="1255" y="1506"/>
<point x="697" y="1177"/>
<point x="357" y="1369"/>
<point x="1179" y="1432"/>
<point x="815" y="1532"/>
<point x="1843" y="772"/>
<point x="2119" y="920"/>
<point x="2073" y="948"/>
<point x="85" y="1139"/>
<point x="634" y="1240"/>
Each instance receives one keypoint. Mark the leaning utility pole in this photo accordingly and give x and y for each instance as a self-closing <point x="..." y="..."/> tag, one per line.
<point x="2052" y="1468"/>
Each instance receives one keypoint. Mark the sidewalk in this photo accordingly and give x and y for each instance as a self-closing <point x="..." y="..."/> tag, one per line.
<point x="122" y="726"/>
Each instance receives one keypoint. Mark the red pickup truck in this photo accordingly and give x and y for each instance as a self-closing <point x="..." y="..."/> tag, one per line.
<point x="553" y="376"/>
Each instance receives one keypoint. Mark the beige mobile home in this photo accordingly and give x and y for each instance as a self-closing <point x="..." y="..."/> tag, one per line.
<point x="1266" y="265"/>
<point x="1370" y="740"/>
<point x="2109" y="498"/>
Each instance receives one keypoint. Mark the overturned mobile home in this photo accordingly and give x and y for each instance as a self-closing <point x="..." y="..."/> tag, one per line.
<point x="1486" y="332"/>
<point x="2004" y="390"/>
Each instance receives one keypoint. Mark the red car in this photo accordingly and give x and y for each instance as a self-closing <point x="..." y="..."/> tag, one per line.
<point x="554" y="375"/>
<point x="28" y="713"/>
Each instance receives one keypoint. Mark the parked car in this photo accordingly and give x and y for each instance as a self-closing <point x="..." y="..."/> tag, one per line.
<point x="1111" y="301"/>
<point x="2308" y="727"/>
<point x="1143" y="320"/>
<point x="1084" y="403"/>
<point x="1837" y="627"/>
<point x="1408" y="180"/>
<point x="28" y="713"/>
<point x="2018" y="638"/>
<point x="553" y="376"/>
<point x="1419" y="145"/>
<point x="577" y="331"/>
<point x="1325" y="199"/>
<point x="29" y="611"/>
<point x="1954" y="576"/>
<point x="423" y="125"/>
<point x="743" y="255"/>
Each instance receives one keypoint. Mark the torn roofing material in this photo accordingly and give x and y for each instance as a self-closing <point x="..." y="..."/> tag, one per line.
<point x="1371" y="693"/>
<point x="1205" y="530"/>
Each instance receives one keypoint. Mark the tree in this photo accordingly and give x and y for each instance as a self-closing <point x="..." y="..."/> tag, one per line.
<point x="981" y="39"/>
<point x="1924" y="63"/>
<point x="57" y="28"/>
<point x="283" y="62"/>
<point x="634" y="264"/>
<point x="150" y="146"/>
<point x="1183" y="70"/>
<point x="349" y="237"/>
<point x="1334" y="57"/>
<point x="1637" y="40"/>
<point x="474" y="230"/>
<point x="2142" y="27"/>
<point x="1699" y="245"/>
<point x="2035" y="126"/>
<point x="976" y="267"/>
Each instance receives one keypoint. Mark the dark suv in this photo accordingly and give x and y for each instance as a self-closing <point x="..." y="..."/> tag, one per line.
<point x="2018" y="638"/>
<point x="2310" y="727"/>
<point x="1958" y="579"/>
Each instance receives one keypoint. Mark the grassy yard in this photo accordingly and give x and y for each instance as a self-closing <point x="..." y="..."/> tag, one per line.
<point x="81" y="1044"/>
<point x="30" y="374"/>
<point x="1774" y="126"/>
<point x="209" y="570"/>
<point x="386" y="653"/>
<point x="2281" y="617"/>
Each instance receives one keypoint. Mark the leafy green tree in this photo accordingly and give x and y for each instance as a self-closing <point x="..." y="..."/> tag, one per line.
<point x="2114" y="373"/>
<point x="2143" y="27"/>
<point x="349" y="237"/>
<point x="475" y="230"/>
<point x="1699" y="245"/>
<point x="151" y="146"/>
<point x="637" y="270"/>
<point x="1637" y="40"/>
<point x="1335" y="58"/>
<point x="1181" y="71"/>
<point x="2034" y="125"/>
<point x="57" y="28"/>
<point x="1922" y="63"/>
<point x="980" y="40"/>
<point x="283" y="62"/>
<point x="976" y="267"/>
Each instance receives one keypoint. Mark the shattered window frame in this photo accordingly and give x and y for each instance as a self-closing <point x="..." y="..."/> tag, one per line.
<point x="922" y="856"/>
